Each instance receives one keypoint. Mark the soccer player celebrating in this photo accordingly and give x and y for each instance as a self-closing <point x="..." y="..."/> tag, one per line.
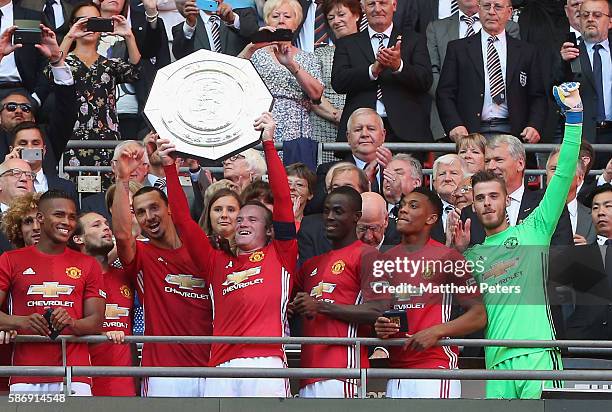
<point x="51" y="276"/>
<point x="442" y="274"/>
<point x="174" y="293"/>
<point x="93" y="237"/>
<point x="250" y="291"/>
<point x="511" y="264"/>
<point x="332" y="288"/>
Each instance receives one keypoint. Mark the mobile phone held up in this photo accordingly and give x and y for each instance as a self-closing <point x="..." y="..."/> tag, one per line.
<point x="100" y="25"/>
<point x="207" y="5"/>
<point x="265" y="36"/>
<point x="27" y="36"/>
<point x="31" y="155"/>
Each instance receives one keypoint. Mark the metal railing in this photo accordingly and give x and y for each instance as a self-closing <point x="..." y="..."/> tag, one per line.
<point x="362" y="374"/>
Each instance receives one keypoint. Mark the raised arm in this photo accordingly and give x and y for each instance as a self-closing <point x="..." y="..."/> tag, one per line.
<point x="548" y="212"/>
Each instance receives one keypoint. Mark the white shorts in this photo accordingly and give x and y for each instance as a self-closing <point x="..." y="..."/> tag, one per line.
<point x="77" y="388"/>
<point x="249" y="387"/>
<point x="330" y="388"/>
<point x="173" y="387"/>
<point x="423" y="388"/>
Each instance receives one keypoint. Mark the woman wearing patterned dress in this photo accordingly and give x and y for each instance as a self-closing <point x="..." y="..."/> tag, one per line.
<point x="342" y="17"/>
<point x="95" y="80"/>
<point x="291" y="74"/>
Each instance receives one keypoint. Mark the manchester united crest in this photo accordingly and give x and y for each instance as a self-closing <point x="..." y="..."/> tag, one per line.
<point x="126" y="292"/>
<point x="428" y="273"/>
<point x="73" y="272"/>
<point x="256" y="256"/>
<point x="338" y="267"/>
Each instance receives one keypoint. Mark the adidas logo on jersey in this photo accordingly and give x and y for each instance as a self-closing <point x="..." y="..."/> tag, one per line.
<point x="314" y="272"/>
<point x="28" y="271"/>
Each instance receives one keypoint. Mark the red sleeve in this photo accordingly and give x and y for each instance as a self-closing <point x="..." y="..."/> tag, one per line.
<point x="5" y="273"/>
<point x="94" y="285"/>
<point x="277" y="177"/>
<point x="191" y="234"/>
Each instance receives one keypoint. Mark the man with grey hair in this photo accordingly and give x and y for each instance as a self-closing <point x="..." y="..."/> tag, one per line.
<point x="374" y="227"/>
<point x="580" y="216"/>
<point x="233" y="26"/>
<point x="243" y="168"/>
<point x="401" y="176"/>
<point x="449" y="171"/>
<point x="16" y="179"/>
<point x="366" y="136"/>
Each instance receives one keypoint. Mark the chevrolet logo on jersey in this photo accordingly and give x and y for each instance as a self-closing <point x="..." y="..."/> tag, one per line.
<point x="50" y="289"/>
<point x="322" y="287"/>
<point x="114" y="311"/>
<point x="239" y="277"/>
<point x="499" y="268"/>
<point x="185" y="281"/>
<point x="412" y="291"/>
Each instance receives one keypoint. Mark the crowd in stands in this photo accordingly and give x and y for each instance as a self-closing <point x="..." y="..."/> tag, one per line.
<point x="280" y="243"/>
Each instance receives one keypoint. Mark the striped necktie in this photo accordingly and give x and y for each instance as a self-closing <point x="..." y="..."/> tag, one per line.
<point x="216" y="35"/>
<point x="321" y="33"/>
<point x="160" y="183"/>
<point x="496" y="80"/>
<point x="381" y="45"/>
<point x="363" y="22"/>
<point x="454" y="6"/>
<point x="470" y="24"/>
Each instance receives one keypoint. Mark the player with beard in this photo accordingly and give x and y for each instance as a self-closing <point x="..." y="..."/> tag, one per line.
<point x="428" y="312"/>
<point x="93" y="237"/>
<point x="50" y="275"/>
<point x="516" y="257"/>
<point x="249" y="290"/>
<point x="172" y="287"/>
<point x="334" y="297"/>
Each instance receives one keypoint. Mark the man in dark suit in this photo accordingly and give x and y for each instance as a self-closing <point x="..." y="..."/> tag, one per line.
<point x="595" y="59"/>
<point x="463" y="23"/>
<point x="505" y="157"/>
<point x="580" y="216"/>
<point x="365" y="135"/>
<point x="28" y="135"/>
<point x="491" y="83"/>
<point x="387" y="70"/>
<point x="20" y="67"/>
<point x="235" y="27"/>
<point x="54" y="14"/>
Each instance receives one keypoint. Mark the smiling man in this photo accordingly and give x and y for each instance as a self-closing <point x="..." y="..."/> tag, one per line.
<point x="50" y="275"/>
<point x="331" y="297"/>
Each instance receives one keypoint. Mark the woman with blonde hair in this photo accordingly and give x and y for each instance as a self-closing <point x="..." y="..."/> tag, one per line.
<point x="471" y="148"/>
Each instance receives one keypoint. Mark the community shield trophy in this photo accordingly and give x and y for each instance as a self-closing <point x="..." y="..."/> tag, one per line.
<point x="206" y="103"/>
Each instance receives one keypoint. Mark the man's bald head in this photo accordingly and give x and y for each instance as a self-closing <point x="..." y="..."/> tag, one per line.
<point x="374" y="219"/>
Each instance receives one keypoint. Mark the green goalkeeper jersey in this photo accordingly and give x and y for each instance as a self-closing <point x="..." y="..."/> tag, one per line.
<point x="511" y="267"/>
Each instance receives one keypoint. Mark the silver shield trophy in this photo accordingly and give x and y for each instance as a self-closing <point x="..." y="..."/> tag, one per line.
<point x="206" y="103"/>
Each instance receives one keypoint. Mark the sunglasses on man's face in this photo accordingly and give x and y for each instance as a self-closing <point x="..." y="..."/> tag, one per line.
<point x="12" y="106"/>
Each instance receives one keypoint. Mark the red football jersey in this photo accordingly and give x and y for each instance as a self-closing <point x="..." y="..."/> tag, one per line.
<point x="335" y="277"/>
<point x="36" y="281"/>
<point x="176" y="303"/>
<point x="428" y="299"/>
<point x="117" y="317"/>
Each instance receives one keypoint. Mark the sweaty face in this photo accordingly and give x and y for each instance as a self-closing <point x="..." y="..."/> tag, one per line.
<point x="57" y="218"/>
<point x="283" y="17"/>
<point x="494" y="14"/>
<point x="365" y="134"/>
<point x="339" y="217"/>
<point x="490" y="202"/>
<point x="223" y="214"/>
<point x="251" y="231"/>
<point x="447" y="179"/>
<point x="30" y="229"/>
<point x="152" y="214"/>
<point x="594" y="28"/>
<point x="601" y="213"/>
<point x="97" y="235"/>
<point x="9" y="119"/>
<point x="415" y="212"/>
<point x="499" y="161"/>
